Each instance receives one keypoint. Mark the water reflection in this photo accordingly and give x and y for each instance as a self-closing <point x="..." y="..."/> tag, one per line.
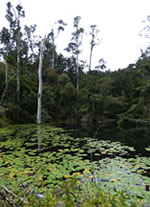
<point x="39" y="137"/>
<point x="139" y="138"/>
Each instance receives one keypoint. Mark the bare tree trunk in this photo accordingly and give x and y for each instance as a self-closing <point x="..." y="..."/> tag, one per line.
<point x="18" y="73"/>
<point x="18" y="57"/>
<point x="6" y="72"/>
<point x="53" y="50"/>
<point x="78" y="74"/>
<point x="18" y="67"/>
<point x="40" y="83"/>
<point x="122" y="93"/>
<point x="6" y="69"/>
<point x="90" y="61"/>
<point x="53" y="58"/>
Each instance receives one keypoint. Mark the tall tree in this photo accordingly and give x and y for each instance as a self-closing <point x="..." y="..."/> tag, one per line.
<point x="40" y="82"/>
<point x="13" y="16"/>
<point x="94" y="41"/>
<point x="75" y="45"/>
<point x="145" y="32"/>
<point x="6" y="42"/>
<point x="31" y="40"/>
<point x="53" y="35"/>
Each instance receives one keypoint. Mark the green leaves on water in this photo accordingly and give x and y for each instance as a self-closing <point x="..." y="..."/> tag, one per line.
<point x="147" y="148"/>
<point x="44" y="157"/>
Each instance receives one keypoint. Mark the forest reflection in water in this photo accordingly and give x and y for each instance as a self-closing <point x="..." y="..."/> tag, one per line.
<point x="139" y="138"/>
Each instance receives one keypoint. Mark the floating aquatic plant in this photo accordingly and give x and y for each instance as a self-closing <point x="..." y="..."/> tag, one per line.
<point x="44" y="158"/>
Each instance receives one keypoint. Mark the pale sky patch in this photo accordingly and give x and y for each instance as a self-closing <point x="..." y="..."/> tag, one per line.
<point x="119" y="22"/>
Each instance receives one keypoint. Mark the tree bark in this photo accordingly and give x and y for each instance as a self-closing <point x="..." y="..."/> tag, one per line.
<point x="77" y="63"/>
<point x="6" y="72"/>
<point x="78" y="74"/>
<point x="53" y="50"/>
<point x="90" y="61"/>
<point x="17" y="19"/>
<point x="18" y="67"/>
<point x="6" y="68"/>
<point x="53" y="58"/>
<point x="40" y="83"/>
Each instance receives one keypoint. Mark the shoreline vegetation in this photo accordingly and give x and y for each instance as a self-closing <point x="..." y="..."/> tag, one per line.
<point x="67" y="194"/>
<point x="68" y="91"/>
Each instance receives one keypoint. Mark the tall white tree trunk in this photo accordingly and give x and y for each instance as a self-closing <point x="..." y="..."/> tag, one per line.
<point x="53" y="50"/>
<point x="6" y="72"/>
<point x="6" y="68"/>
<point x="77" y="62"/>
<point x="90" y="61"/>
<point x="40" y="83"/>
<point x="78" y="73"/>
<point x="53" y="58"/>
<point x="18" y="67"/>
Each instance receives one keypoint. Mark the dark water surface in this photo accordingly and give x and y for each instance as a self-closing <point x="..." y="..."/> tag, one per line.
<point x="139" y="138"/>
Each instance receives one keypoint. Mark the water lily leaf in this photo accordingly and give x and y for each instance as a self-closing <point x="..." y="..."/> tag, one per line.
<point x="103" y="153"/>
<point x="147" y="148"/>
<point x="67" y="176"/>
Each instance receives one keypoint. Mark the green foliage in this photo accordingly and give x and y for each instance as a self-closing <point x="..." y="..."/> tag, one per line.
<point x="104" y="86"/>
<point x="145" y="90"/>
<point x="121" y="95"/>
<point x="68" y="193"/>
<point x="113" y="106"/>
<point x="48" y="162"/>
<point x="3" y="120"/>
<point x="2" y="76"/>
<point x="50" y="76"/>
<point x="102" y="95"/>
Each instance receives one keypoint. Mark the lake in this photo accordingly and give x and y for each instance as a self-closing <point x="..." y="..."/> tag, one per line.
<point x="139" y="138"/>
<point x="42" y="156"/>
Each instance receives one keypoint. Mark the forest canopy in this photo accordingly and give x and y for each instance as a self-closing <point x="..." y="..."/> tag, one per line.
<point x="71" y="88"/>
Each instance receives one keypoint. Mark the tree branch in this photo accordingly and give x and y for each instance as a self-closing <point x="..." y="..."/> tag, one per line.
<point x="5" y="89"/>
<point x="11" y="193"/>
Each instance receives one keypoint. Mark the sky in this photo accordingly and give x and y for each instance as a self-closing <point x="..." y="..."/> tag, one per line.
<point x="119" y="22"/>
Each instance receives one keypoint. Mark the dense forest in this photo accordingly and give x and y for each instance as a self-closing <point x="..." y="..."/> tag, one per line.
<point x="69" y="90"/>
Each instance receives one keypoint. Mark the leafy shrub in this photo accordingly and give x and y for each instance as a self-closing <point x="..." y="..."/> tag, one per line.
<point x="68" y="193"/>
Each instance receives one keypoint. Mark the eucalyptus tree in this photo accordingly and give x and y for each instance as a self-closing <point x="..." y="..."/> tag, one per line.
<point x="145" y="32"/>
<point x="40" y="81"/>
<point x="94" y="41"/>
<point x="145" y="55"/>
<point x="101" y="64"/>
<point x="52" y="36"/>
<point x="4" y="51"/>
<point x="13" y="16"/>
<point x="75" y="45"/>
<point x="31" y="41"/>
